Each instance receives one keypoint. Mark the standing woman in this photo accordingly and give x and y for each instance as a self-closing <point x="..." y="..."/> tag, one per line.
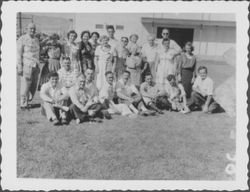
<point x="94" y="40"/>
<point x="186" y="70"/>
<point x="122" y="54"/>
<point x="105" y="60"/>
<point x="54" y="50"/>
<point x="86" y="53"/>
<point x="71" y="50"/>
<point x="165" y="62"/>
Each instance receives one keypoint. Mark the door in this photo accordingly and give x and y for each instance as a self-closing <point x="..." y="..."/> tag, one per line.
<point x="180" y="35"/>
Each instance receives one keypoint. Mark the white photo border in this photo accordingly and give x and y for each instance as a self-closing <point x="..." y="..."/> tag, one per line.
<point x="8" y="94"/>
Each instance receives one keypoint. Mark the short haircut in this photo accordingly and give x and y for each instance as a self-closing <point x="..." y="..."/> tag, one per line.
<point x="165" y="39"/>
<point x="84" y="33"/>
<point x="54" y="36"/>
<point x="201" y="68"/>
<point x="95" y="33"/>
<point x="189" y="43"/>
<point x="148" y="74"/>
<point x="171" y="77"/>
<point x="80" y="76"/>
<point x="65" y="58"/>
<point x="127" y="72"/>
<point x="124" y="38"/>
<point x="71" y="32"/>
<point x="134" y="35"/>
<point x="165" y="28"/>
<point x="53" y="74"/>
<point x="103" y="37"/>
<point x="110" y="27"/>
<point x="108" y="72"/>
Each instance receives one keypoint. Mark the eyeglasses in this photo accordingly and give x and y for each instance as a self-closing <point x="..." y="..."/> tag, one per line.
<point x="165" y="33"/>
<point x="124" y="41"/>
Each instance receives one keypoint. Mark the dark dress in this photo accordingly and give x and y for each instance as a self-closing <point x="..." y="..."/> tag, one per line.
<point x="187" y="67"/>
<point x="86" y="55"/>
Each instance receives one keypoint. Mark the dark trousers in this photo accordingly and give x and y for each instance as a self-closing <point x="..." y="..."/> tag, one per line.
<point x="163" y="103"/>
<point x="83" y="116"/>
<point x="199" y="100"/>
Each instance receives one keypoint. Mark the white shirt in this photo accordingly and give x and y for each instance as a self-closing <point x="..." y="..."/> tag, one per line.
<point x="149" y="52"/>
<point x="48" y="93"/>
<point x="107" y="92"/>
<point x="127" y="89"/>
<point x="204" y="87"/>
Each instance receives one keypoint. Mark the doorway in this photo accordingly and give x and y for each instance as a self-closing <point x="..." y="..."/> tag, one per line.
<point x="180" y="35"/>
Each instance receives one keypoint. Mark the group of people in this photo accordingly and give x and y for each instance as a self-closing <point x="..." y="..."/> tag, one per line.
<point x="100" y="76"/>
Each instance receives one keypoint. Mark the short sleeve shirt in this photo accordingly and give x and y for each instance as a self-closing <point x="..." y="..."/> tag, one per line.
<point x="204" y="87"/>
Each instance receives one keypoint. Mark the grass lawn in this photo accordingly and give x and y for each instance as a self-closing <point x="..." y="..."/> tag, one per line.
<point x="172" y="146"/>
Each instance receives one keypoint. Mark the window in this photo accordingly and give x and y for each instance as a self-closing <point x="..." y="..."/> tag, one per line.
<point x="99" y="26"/>
<point x="119" y="27"/>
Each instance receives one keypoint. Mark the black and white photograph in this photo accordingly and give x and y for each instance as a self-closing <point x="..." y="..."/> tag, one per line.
<point x="127" y="96"/>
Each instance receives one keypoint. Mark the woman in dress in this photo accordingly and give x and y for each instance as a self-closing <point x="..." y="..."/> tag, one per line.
<point x="105" y="60"/>
<point x="54" y="50"/>
<point x="134" y="63"/>
<point x="94" y="40"/>
<point x="122" y="54"/>
<point x="187" y="68"/>
<point x="71" y="50"/>
<point x="86" y="52"/>
<point x="165" y="63"/>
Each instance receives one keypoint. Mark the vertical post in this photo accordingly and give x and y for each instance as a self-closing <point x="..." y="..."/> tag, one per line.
<point x="20" y="23"/>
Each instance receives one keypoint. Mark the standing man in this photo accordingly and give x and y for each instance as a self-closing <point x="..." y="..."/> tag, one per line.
<point x="149" y="51"/>
<point x="113" y="42"/>
<point x="173" y="45"/>
<point x="28" y="50"/>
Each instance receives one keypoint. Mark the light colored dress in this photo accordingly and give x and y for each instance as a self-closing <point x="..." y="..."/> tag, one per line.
<point x="105" y="58"/>
<point x="166" y="66"/>
<point x="134" y="67"/>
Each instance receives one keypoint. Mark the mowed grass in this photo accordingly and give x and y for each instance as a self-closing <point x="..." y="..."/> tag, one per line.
<point x="172" y="146"/>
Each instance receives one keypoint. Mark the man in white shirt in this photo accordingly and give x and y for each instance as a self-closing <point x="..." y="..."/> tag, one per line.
<point x="53" y="96"/>
<point x="127" y="93"/>
<point x="113" y="42"/>
<point x="149" y="52"/>
<point x="202" y="95"/>
<point x="28" y="50"/>
<point x="107" y="94"/>
<point x="173" y="45"/>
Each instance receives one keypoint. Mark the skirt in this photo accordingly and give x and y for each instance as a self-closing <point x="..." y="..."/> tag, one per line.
<point x="186" y="78"/>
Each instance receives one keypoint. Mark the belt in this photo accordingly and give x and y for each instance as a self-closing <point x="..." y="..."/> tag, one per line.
<point x="131" y="68"/>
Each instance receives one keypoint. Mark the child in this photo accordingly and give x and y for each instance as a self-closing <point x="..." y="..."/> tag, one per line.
<point x="53" y="96"/>
<point x="177" y="95"/>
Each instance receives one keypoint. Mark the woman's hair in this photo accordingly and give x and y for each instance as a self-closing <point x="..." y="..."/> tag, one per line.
<point x="103" y="37"/>
<point x="171" y="77"/>
<point x="165" y="39"/>
<point x="189" y="43"/>
<point x="71" y="32"/>
<point x="95" y="33"/>
<point x="130" y="37"/>
<point x="84" y="33"/>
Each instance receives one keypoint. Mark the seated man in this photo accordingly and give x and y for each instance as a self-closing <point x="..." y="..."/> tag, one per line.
<point x="107" y="94"/>
<point x="53" y="96"/>
<point x="67" y="76"/>
<point x="176" y="95"/>
<point x="153" y="96"/>
<point x="91" y="92"/>
<point x="127" y="93"/>
<point x="202" y="95"/>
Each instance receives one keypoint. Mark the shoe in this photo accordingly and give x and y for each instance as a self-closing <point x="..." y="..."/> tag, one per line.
<point x="107" y="115"/>
<point x="78" y="121"/>
<point x="64" y="121"/>
<point x="160" y="112"/>
<point x="143" y="113"/>
<point x="56" y="122"/>
<point x="149" y="112"/>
